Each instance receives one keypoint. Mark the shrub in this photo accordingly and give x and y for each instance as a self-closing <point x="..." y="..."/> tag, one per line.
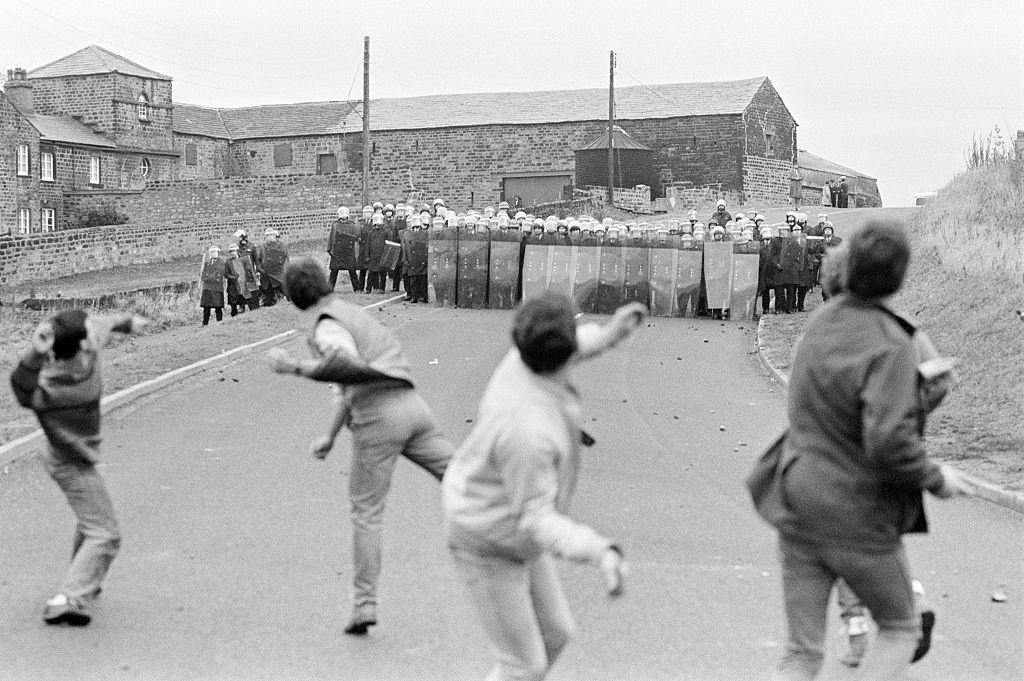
<point x="101" y="217"/>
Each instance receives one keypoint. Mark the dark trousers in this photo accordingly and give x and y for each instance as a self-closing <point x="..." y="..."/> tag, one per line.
<point x="418" y="288"/>
<point x="766" y="300"/>
<point x="354" y="276"/>
<point x="396" y="276"/>
<point x="375" y="281"/>
<point x="782" y="298"/>
<point x="801" y="293"/>
<point x="206" y="314"/>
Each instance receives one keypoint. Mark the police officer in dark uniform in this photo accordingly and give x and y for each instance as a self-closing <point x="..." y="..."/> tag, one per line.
<point x="342" y="245"/>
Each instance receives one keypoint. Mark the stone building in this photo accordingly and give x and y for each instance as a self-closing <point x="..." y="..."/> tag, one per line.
<point x="817" y="171"/>
<point x="103" y="133"/>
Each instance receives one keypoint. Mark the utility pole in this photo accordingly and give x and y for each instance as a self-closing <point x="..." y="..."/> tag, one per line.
<point x="366" y="121"/>
<point x="611" y="127"/>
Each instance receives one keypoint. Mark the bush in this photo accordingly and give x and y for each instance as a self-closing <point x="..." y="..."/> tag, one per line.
<point x="101" y="217"/>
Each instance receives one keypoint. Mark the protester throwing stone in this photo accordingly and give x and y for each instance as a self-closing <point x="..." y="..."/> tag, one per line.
<point x="507" y="491"/>
<point x="58" y="378"/>
<point x="376" y="399"/>
<point x="854" y="463"/>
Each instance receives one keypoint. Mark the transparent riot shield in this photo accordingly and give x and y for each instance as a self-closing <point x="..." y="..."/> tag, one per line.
<point x="474" y="258"/>
<point x="611" y="279"/>
<point x="536" y="270"/>
<point x="443" y="266"/>
<point x="636" y="262"/>
<point x="745" y="261"/>
<point x="718" y="273"/>
<point x="503" y="273"/>
<point x="561" y="266"/>
<point x="689" y="263"/>
<point x="664" y="263"/>
<point x="585" y="277"/>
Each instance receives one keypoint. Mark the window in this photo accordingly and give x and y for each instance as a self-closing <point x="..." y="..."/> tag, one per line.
<point x="24" y="220"/>
<point x="190" y="155"/>
<point x="326" y="163"/>
<point x="144" y="167"/>
<point x="769" y="143"/>
<point x="94" y="170"/>
<point x="143" y="108"/>
<point x="46" y="166"/>
<point x="282" y="155"/>
<point x="23" y="166"/>
<point x="49" y="219"/>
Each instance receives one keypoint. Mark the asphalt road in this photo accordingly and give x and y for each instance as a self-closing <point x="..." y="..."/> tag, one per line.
<point x="235" y="562"/>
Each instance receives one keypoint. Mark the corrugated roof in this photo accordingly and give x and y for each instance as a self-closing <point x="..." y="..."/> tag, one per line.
<point x="463" y="110"/>
<point x="621" y="140"/>
<point x="67" y="129"/>
<point x="809" y="161"/>
<point x="90" y="60"/>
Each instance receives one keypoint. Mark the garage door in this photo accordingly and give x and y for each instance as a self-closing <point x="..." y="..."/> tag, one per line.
<point x="535" y="190"/>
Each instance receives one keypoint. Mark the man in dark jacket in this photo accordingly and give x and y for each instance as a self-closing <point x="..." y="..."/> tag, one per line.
<point x="376" y="237"/>
<point x="844" y="193"/>
<point x="343" y="247"/>
<point x="854" y="463"/>
<point x="721" y="215"/>
<point x="765" y="271"/>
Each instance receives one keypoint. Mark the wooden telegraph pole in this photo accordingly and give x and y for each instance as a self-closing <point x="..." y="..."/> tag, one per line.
<point x="611" y="127"/>
<point x="366" y="121"/>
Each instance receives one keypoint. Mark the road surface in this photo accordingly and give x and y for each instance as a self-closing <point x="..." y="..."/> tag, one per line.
<point x="235" y="563"/>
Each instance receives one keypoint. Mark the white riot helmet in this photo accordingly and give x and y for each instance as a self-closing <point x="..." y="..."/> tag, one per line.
<point x="343" y="212"/>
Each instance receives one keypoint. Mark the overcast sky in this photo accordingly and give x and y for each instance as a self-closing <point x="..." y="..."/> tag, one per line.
<point x="894" y="89"/>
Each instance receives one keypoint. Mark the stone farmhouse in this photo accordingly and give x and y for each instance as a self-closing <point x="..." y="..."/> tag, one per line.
<point x="95" y="131"/>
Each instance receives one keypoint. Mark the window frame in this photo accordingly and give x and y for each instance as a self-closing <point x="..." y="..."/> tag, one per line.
<point x="142" y="107"/>
<point x="24" y="221"/>
<point x="283" y="155"/>
<point x="95" y="171"/>
<point x="191" y="154"/>
<point x="48" y="215"/>
<point x="43" y="155"/>
<point x="24" y="160"/>
<point x="320" y="158"/>
<point x="769" y="144"/>
<point x="145" y="167"/>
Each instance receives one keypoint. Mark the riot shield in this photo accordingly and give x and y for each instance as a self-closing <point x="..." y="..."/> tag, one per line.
<point x="503" y="272"/>
<point x="611" y="279"/>
<point x="689" y="262"/>
<point x="443" y="266"/>
<point x="536" y="270"/>
<point x="664" y="263"/>
<point x="718" y="273"/>
<point x="415" y="249"/>
<point x="275" y="257"/>
<point x="636" y="261"/>
<point x="585" y="277"/>
<point x="474" y="257"/>
<point x="745" y="262"/>
<point x="562" y="271"/>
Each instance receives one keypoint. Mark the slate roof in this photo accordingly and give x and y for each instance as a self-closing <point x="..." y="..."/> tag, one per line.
<point x="91" y="60"/>
<point x="464" y="110"/>
<point x="67" y="129"/>
<point x="808" y="161"/>
<point x="621" y="140"/>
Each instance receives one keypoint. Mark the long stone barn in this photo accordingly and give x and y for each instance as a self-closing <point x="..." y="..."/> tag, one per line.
<point x="95" y="132"/>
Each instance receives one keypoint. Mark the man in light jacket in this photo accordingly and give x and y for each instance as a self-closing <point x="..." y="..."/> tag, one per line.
<point x="506" y="492"/>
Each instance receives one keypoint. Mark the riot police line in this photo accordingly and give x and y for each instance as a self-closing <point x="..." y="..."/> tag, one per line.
<point x="493" y="260"/>
<point x="673" y="275"/>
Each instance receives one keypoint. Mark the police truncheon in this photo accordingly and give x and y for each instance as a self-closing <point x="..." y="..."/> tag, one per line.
<point x="474" y="259"/>
<point x="443" y="267"/>
<point x="503" y="272"/>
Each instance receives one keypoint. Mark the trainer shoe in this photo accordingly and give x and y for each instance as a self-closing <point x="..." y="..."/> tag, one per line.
<point x="927" y="621"/>
<point x="363" y="617"/>
<point x="63" y="610"/>
<point x="856" y="641"/>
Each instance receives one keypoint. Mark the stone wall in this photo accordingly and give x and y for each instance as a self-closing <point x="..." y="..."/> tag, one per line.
<point x="766" y="180"/>
<point x="210" y="158"/>
<point x="44" y="257"/>
<point x="689" y="198"/>
<point x="17" y="192"/>
<point x="152" y="134"/>
<point x="634" y="199"/>
<point x="89" y="97"/>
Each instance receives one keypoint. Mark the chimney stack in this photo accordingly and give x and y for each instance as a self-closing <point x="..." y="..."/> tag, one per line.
<point x="18" y="89"/>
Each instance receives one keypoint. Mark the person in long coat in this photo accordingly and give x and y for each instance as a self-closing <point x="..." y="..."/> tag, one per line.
<point x="343" y="247"/>
<point x="212" y="281"/>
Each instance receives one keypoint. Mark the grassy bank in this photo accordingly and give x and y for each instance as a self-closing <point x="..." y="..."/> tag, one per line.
<point x="963" y="288"/>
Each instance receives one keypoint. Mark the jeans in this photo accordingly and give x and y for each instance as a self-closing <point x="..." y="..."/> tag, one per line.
<point x="97" y="536"/>
<point x="385" y="424"/>
<point x="882" y="580"/>
<point x="523" y="610"/>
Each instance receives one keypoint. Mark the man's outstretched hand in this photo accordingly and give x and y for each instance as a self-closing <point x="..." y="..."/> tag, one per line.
<point x="281" y="361"/>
